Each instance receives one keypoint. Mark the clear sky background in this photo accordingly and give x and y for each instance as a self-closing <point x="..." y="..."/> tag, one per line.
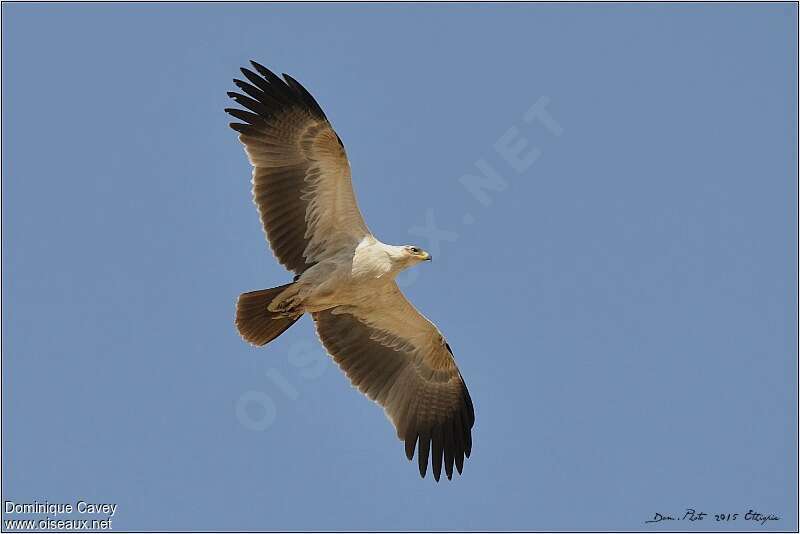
<point x="622" y="307"/>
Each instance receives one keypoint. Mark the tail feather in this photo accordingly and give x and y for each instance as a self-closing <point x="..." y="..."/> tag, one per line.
<point x="256" y="324"/>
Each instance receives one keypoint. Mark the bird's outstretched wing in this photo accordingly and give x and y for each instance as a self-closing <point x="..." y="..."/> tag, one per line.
<point x="301" y="177"/>
<point x="398" y="358"/>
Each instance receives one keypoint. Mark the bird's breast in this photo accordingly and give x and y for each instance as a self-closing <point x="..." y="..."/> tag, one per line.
<point x="371" y="263"/>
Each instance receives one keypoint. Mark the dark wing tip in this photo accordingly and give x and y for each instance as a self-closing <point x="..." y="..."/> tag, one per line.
<point x="422" y="453"/>
<point x="268" y="74"/>
<point x="239" y="127"/>
<point x="255" y="79"/>
<point x="458" y="442"/>
<point x="411" y="443"/>
<point x="449" y="447"/>
<point x="305" y="97"/>
<point x="259" y="67"/>
<point x="438" y="449"/>
<point x="248" y="73"/>
<point x="269" y="93"/>
<point x="445" y="443"/>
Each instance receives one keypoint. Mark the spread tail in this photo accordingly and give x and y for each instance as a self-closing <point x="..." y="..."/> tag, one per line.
<point x="256" y="324"/>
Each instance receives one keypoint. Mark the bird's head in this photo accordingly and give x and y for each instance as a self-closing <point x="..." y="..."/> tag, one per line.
<point x="415" y="254"/>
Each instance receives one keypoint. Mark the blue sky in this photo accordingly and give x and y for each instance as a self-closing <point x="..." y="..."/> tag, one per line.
<point x="621" y="298"/>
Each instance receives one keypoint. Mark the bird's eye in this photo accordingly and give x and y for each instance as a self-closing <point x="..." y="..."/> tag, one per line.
<point x="415" y="250"/>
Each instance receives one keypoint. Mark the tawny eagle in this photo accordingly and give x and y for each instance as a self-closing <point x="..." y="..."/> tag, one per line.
<point x="344" y="276"/>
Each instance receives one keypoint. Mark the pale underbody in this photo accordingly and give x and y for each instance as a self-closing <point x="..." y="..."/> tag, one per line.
<point x="352" y="277"/>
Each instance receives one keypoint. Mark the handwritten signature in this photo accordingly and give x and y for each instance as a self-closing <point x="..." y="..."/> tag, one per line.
<point x="692" y="514"/>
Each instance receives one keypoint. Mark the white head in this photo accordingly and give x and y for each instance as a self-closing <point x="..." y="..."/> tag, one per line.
<point x="405" y="256"/>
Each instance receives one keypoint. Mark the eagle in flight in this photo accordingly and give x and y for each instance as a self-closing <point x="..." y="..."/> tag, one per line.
<point x="344" y="277"/>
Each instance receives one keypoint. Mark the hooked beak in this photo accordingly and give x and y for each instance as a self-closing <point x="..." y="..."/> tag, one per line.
<point x="427" y="257"/>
